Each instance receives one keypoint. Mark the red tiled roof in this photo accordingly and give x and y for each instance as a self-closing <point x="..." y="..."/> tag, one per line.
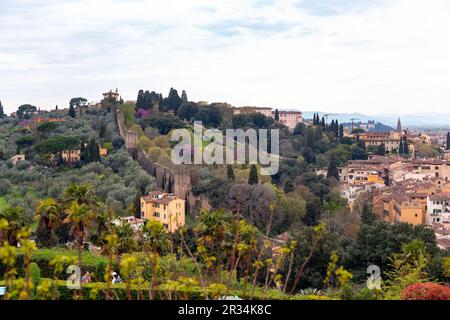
<point x="444" y="242"/>
<point x="440" y="197"/>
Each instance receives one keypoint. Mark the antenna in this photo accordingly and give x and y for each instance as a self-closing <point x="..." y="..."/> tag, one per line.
<point x="326" y="115"/>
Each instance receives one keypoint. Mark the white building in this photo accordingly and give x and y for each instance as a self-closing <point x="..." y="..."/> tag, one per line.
<point x="438" y="209"/>
<point x="351" y="192"/>
<point x="136" y="224"/>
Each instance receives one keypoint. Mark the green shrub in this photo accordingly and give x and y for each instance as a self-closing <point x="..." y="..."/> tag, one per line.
<point x="35" y="274"/>
<point x="95" y="264"/>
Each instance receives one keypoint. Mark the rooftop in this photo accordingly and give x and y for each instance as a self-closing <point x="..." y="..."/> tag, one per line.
<point x="159" y="197"/>
<point x="440" y="197"/>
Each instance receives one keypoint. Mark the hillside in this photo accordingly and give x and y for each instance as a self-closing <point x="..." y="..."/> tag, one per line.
<point x="286" y="236"/>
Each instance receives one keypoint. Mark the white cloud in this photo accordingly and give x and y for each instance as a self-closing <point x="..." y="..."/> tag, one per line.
<point x="388" y="57"/>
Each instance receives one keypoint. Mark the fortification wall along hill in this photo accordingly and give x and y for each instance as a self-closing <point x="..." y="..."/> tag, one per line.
<point x="176" y="181"/>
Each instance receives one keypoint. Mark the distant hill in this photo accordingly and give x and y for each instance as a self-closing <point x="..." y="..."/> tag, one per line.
<point x="431" y="120"/>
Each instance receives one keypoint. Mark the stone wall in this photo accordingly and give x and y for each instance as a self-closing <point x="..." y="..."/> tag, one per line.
<point x="177" y="181"/>
<point x="130" y="137"/>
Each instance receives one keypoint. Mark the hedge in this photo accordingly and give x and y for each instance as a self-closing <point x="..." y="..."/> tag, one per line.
<point x="96" y="291"/>
<point x="95" y="264"/>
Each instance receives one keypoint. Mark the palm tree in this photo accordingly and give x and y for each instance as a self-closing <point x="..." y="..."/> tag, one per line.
<point x="48" y="215"/>
<point x="16" y="218"/>
<point x="157" y="240"/>
<point x="211" y="229"/>
<point x="82" y="194"/>
<point x="80" y="218"/>
<point x="103" y="220"/>
<point x="125" y="233"/>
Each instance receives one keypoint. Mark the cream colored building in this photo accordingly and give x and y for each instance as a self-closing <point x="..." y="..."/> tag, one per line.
<point x="289" y="118"/>
<point x="248" y="110"/>
<point x="71" y="156"/>
<point x="432" y="168"/>
<point x="165" y="208"/>
<point x="74" y="156"/>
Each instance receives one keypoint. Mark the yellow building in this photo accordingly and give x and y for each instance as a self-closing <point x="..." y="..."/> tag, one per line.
<point x="374" y="178"/>
<point x="165" y="208"/>
<point x="401" y="207"/>
<point x="103" y="152"/>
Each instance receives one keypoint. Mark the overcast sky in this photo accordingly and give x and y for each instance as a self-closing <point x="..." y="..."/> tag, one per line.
<point x="380" y="56"/>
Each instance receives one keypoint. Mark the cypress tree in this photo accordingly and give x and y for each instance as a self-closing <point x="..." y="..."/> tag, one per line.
<point x="277" y="115"/>
<point x="84" y="156"/>
<point x="313" y="212"/>
<point x="310" y="137"/>
<point x="230" y="173"/>
<point x="102" y="131"/>
<point x="448" y="140"/>
<point x="2" y="112"/>
<point x="400" y="148"/>
<point x="94" y="152"/>
<point x="367" y="216"/>
<point x="341" y="131"/>
<point x="137" y="206"/>
<point x="184" y="98"/>
<point x="405" y="146"/>
<point x="323" y="123"/>
<point x="140" y="103"/>
<point x="253" y="176"/>
<point x="333" y="169"/>
<point x="72" y="112"/>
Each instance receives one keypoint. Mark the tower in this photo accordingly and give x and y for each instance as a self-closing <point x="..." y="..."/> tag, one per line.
<point x="399" y="126"/>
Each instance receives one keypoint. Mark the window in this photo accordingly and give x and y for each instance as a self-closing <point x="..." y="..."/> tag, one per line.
<point x="156" y="214"/>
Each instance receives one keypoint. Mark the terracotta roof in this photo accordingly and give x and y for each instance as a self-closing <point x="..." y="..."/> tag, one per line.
<point x="428" y="162"/>
<point x="440" y="197"/>
<point x="159" y="197"/>
<point x="399" y="197"/>
<point x="445" y="242"/>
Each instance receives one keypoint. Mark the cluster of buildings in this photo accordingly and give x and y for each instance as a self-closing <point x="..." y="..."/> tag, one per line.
<point x="415" y="191"/>
<point x="390" y="139"/>
<point x="288" y="118"/>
